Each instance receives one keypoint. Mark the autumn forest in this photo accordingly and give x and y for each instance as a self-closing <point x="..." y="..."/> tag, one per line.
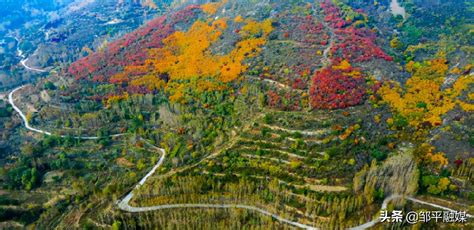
<point x="250" y="115"/>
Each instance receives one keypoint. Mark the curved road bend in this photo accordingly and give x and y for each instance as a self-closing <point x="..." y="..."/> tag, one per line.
<point x="125" y="206"/>
<point x="28" y="126"/>
<point x="24" y="59"/>
<point x="23" y="63"/>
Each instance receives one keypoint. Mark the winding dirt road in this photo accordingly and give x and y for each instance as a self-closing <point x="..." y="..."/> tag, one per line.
<point x="23" y="117"/>
<point x="125" y="206"/>
<point x="29" y="127"/>
<point x="24" y="59"/>
<point x="23" y="63"/>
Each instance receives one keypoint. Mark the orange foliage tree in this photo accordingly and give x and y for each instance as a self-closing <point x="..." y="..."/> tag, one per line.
<point x="187" y="58"/>
<point x="212" y="7"/>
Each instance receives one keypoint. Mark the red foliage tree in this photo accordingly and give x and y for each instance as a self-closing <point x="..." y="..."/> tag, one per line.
<point x="353" y="43"/>
<point x="273" y="98"/>
<point x="130" y="50"/>
<point x="336" y="89"/>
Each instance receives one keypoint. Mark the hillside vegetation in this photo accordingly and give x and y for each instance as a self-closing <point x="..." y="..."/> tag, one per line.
<point x="315" y="111"/>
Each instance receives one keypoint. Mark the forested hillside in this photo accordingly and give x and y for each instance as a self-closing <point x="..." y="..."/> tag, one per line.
<point x="251" y="114"/>
<point x="51" y="34"/>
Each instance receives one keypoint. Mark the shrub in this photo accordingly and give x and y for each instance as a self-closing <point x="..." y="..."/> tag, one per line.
<point x="49" y="85"/>
<point x="378" y="155"/>
<point x="336" y="89"/>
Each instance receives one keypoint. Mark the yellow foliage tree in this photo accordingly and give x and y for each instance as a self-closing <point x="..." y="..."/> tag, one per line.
<point x="434" y="69"/>
<point x="425" y="155"/>
<point x="423" y="101"/>
<point x="188" y="58"/>
<point x="29" y="116"/>
<point x="253" y="28"/>
<point x="396" y="43"/>
<point x="344" y="65"/>
<point x="239" y="19"/>
<point x="212" y="7"/>
<point x="150" y="81"/>
<point x="116" y="98"/>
